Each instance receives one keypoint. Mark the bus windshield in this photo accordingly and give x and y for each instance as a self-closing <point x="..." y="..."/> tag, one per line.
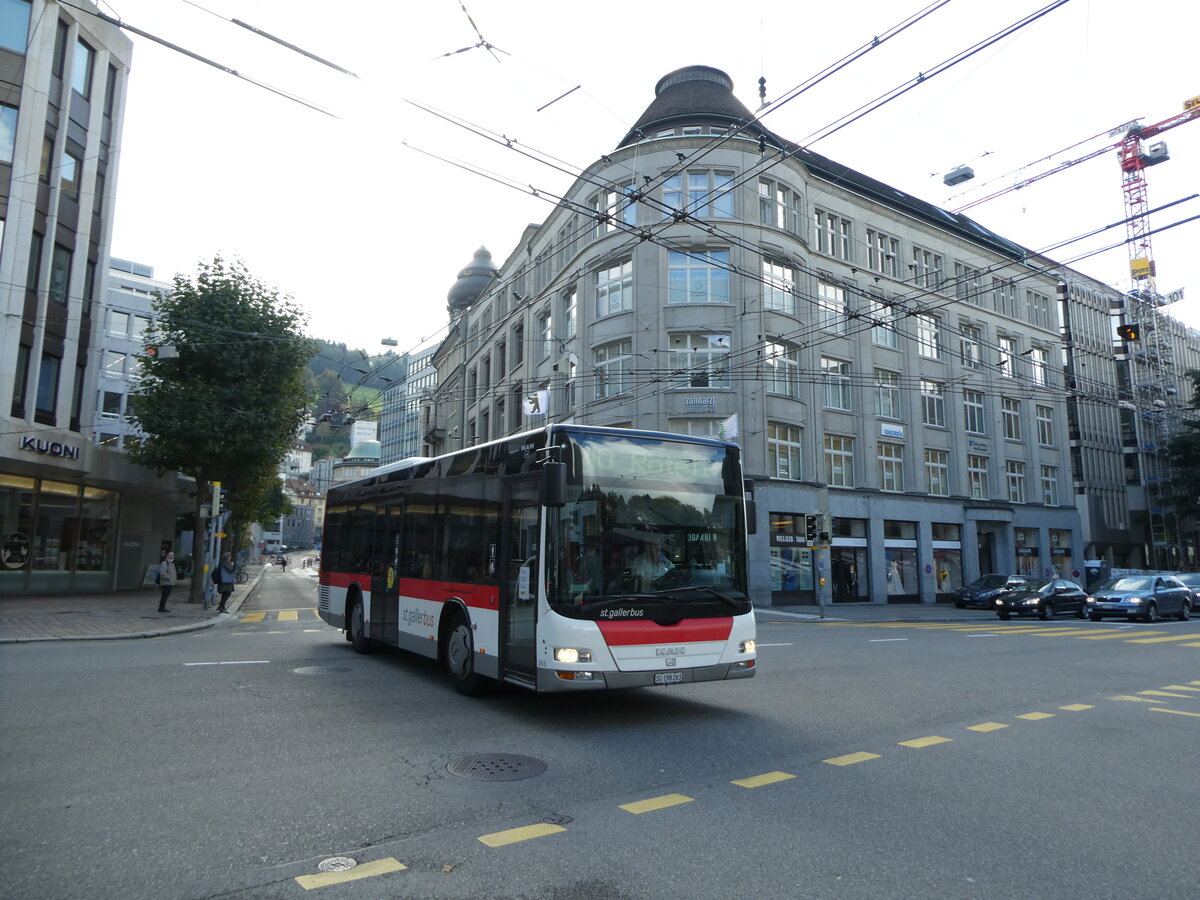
<point x="648" y="519"/>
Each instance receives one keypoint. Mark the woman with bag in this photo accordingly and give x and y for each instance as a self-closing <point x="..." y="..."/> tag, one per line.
<point x="165" y="578"/>
<point x="224" y="576"/>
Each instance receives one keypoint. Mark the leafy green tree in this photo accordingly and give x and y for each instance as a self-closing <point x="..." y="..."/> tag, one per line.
<point x="224" y="396"/>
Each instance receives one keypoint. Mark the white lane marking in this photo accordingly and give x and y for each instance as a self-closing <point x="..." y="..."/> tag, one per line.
<point x="234" y="662"/>
<point x="885" y="640"/>
<point x="775" y="645"/>
<point x="989" y="634"/>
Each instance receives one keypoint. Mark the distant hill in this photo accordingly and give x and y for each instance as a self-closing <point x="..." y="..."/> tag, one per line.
<point x="347" y="385"/>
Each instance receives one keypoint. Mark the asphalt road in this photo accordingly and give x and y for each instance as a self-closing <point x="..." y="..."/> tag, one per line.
<point x="991" y="760"/>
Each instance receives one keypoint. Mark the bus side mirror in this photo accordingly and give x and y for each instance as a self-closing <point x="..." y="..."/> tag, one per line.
<point x="751" y="517"/>
<point x="554" y="484"/>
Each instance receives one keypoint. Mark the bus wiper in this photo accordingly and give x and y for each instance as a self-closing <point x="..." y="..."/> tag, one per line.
<point x="720" y="595"/>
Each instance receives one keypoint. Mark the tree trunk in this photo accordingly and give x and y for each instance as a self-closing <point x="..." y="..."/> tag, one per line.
<point x="200" y="560"/>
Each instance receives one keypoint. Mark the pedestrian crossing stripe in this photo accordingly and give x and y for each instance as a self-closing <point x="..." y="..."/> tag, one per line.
<point x="281" y="615"/>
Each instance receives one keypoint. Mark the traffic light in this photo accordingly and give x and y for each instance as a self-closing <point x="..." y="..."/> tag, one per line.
<point x="810" y="528"/>
<point x="1128" y="332"/>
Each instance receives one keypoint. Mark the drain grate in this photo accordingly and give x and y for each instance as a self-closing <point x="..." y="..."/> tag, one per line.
<point x="496" y="767"/>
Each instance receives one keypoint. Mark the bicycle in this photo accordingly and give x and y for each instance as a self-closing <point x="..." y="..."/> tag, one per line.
<point x="240" y="575"/>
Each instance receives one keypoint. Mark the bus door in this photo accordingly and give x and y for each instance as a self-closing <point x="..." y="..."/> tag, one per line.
<point x="519" y="542"/>
<point x="385" y="575"/>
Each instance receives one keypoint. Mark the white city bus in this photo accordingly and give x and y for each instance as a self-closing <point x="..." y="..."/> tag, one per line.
<point x="567" y="558"/>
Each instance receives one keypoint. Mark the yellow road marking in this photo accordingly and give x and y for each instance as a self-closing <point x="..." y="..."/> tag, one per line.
<point x="1178" y="712"/>
<point x="1076" y="707"/>
<point x="1179" y="687"/>
<point x="654" y="803"/>
<point x="926" y="741"/>
<point x="1056" y="632"/>
<point x="1164" y="694"/>
<point x="986" y="726"/>
<point x="760" y="780"/>
<point x="851" y="758"/>
<point x="1134" y="699"/>
<point x="255" y="617"/>
<point x="515" y="835"/>
<point x="287" y="615"/>
<point x="1163" y="640"/>
<point x="1111" y="635"/>
<point x="1189" y="645"/>
<point x="1033" y="717"/>
<point x="363" y="870"/>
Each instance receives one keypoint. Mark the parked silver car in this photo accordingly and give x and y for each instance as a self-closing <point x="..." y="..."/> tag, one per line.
<point x="1144" y="597"/>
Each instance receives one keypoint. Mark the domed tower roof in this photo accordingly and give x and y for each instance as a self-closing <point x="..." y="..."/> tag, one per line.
<point x="693" y="95"/>
<point x="365" y="451"/>
<point x="472" y="281"/>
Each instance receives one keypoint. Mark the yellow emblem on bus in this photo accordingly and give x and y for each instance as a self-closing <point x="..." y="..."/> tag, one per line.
<point x="391" y="577"/>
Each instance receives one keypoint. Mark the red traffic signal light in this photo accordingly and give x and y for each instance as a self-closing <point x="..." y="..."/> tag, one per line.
<point x="1128" y="332"/>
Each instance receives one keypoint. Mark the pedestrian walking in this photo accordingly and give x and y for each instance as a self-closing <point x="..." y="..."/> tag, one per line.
<point x="224" y="576"/>
<point x="166" y="580"/>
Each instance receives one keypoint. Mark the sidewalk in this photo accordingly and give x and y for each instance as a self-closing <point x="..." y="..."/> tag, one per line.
<point x="878" y="612"/>
<point x="118" y="614"/>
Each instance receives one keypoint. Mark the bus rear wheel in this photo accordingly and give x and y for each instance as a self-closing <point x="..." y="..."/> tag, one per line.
<point x="356" y="629"/>
<point x="459" y="654"/>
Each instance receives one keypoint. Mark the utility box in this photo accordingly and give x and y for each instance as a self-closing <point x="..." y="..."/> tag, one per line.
<point x="959" y="175"/>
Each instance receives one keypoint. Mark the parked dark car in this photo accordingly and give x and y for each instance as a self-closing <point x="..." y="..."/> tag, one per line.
<point x="1144" y="597"/>
<point x="1044" y="599"/>
<point x="1192" y="581"/>
<point x="981" y="593"/>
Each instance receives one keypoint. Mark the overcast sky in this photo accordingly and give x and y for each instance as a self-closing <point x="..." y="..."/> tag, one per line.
<point x="365" y="216"/>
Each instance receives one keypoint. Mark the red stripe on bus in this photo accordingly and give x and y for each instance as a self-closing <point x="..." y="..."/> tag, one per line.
<point x="644" y="631"/>
<point x="484" y="596"/>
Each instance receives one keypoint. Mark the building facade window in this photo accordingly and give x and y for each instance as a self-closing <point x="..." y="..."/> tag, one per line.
<point x="1039" y="370"/>
<point x="937" y="473"/>
<point x="882" y="316"/>
<point x="835" y="374"/>
<point x="887" y="394"/>
<point x="833" y="235"/>
<point x="707" y="194"/>
<point x="1007" y="358"/>
<point x="70" y="168"/>
<point x="968" y="283"/>
<point x="612" y="369"/>
<point x="1037" y="306"/>
<point x="1050" y="485"/>
<point x="60" y="274"/>
<point x="928" y="340"/>
<point x="779" y="287"/>
<point x="839" y="461"/>
<point x="890" y="462"/>
<point x="1014" y="473"/>
<point x="933" y="404"/>
<point x="977" y="477"/>
<point x="928" y="268"/>
<point x="831" y="307"/>
<point x="777" y="205"/>
<point x="8" y="132"/>
<point x="570" y="313"/>
<point x="701" y="276"/>
<point x="699" y="360"/>
<point x="14" y="25"/>
<point x="1045" y="425"/>
<point x="114" y="364"/>
<point x="47" y="386"/>
<point x="1010" y="410"/>
<point x="783" y="451"/>
<point x="1004" y="297"/>
<point x="970" y="346"/>
<point x="614" y="289"/>
<point x="518" y="345"/>
<point x="546" y="333"/>
<point x="973" y="419"/>
<point x="710" y="428"/>
<point x="81" y="69"/>
<point x="782" y="363"/>
<point x="883" y="253"/>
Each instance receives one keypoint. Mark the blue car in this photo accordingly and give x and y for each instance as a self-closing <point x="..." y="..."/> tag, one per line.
<point x="1144" y="597"/>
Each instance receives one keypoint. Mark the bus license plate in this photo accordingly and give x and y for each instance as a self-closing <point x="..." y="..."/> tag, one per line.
<point x="668" y="677"/>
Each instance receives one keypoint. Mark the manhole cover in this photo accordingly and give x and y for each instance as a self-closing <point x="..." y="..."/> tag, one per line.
<point x="497" y="767"/>
<point x="320" y="670"/>
<point x="336" y="864"/>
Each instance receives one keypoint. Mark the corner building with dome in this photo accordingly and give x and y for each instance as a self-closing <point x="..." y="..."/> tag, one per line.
<point x="893" y="372"/>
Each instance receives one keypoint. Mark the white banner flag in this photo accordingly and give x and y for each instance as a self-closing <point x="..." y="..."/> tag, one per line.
<point x="729" y="428"/>
<point x="535" y="403"/>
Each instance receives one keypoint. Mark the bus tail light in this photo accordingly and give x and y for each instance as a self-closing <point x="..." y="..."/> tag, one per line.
<point x="572" y="655"/>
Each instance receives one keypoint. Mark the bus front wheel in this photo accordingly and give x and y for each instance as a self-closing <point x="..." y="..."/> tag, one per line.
<point x="356" y="629"/>
<point x="460" y="657"/>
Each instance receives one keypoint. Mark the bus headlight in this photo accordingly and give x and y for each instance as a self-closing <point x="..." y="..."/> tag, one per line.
<point x="572" y="655"/>
<point x="747" y="647"/>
